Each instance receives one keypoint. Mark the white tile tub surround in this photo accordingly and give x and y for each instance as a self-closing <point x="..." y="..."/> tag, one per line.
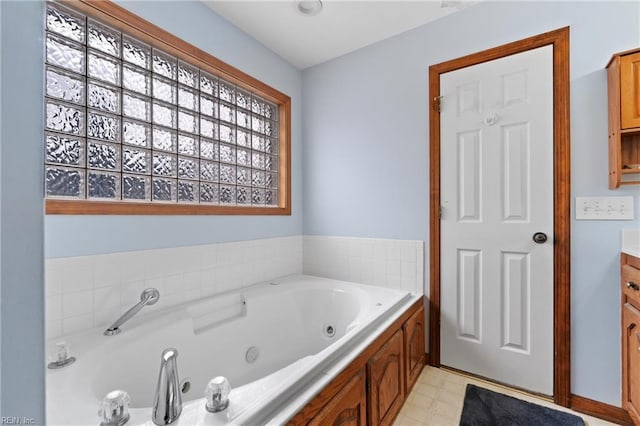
<point x="382" y="262"/>
<point x="89" y="291"/>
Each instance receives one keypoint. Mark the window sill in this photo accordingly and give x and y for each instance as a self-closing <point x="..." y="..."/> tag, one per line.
<point x="83" y="207"/>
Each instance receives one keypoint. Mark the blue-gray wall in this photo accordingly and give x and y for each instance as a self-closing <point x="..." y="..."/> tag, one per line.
<point x="365" y="127"/>
<point x="193" y="22"/>
<point x="365" y="163"/>
<point x="21" y="220"/>
<point x="0" y="214"/>
<point x="26" y="235"/>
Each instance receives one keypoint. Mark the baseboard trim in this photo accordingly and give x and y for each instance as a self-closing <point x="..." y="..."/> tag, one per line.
<point x="426" y="359"/>
<point x="600" y="409"/>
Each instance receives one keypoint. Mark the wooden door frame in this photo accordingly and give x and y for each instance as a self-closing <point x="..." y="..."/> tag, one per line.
<point x="559" y="39"/>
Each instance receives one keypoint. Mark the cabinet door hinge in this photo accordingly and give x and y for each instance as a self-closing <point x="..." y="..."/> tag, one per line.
<point x="437" y="103"/>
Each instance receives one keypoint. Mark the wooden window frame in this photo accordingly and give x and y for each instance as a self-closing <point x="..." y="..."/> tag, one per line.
<point x="131" y="24"/>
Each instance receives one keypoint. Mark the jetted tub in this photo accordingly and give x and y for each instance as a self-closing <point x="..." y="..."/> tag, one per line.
<point x="271" y="340"/>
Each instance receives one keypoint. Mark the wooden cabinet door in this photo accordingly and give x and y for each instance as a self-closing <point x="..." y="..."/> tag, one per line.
<point x="414" y="353"/>
<point x="631" y="361"/>
<point x="348" y="407"/>
<point x="630" y="90"/>
<point x="385" y="372"/>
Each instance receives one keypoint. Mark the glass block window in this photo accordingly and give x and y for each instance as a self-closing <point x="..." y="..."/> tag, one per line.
<point x="126" y="121"/>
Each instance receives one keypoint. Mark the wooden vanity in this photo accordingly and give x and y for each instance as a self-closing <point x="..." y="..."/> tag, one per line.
<point x="630" y="282"/>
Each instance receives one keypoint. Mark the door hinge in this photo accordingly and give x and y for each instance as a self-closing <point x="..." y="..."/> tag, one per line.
<point x="437" y="103"/>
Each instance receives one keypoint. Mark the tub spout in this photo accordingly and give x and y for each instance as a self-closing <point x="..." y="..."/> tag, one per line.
<point x="167" y="403"/>
<point x="148" y="297"/>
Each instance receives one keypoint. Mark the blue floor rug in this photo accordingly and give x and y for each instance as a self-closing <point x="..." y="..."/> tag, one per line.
<point x="483" y="407"/>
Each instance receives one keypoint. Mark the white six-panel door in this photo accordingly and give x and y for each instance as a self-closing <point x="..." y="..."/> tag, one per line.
<point x="496" y="193"/>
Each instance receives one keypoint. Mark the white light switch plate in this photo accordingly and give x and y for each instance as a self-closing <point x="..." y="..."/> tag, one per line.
<point x="604" y="208"/>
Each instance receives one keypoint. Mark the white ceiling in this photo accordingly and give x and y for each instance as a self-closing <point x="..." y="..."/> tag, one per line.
<point x="341" y="27"/>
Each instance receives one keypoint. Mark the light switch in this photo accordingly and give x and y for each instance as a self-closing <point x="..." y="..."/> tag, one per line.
<point x="604" y="208"/>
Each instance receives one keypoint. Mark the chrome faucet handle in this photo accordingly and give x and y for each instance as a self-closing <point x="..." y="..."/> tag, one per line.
<point x="217" y="394"/>
<point x="115" y="408"/>
<point x="63" y="357"/>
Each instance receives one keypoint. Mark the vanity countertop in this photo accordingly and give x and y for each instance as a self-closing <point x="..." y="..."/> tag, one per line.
<point x="631" y="242"/>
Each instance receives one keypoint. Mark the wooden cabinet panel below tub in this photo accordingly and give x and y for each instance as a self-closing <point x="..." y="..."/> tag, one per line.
<point x="384" y="363"/>
<point x="630" y="280"/>
<point x="414" y="353"/>
<point x="385" y="372"/>
<point x="348" y="407"/>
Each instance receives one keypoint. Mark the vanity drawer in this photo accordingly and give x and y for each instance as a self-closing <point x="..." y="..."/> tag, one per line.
<point x="631" y="283"/>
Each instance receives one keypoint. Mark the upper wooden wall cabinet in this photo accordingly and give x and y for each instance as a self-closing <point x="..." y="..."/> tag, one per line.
<point x="623" y="76"/>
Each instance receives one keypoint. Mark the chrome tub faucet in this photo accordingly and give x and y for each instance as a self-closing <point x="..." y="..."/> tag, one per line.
<point x="167" y="403"/>
<point x="148" y="297"/>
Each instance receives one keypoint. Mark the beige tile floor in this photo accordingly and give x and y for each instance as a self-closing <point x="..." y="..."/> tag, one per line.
<point x="437" y="397"/>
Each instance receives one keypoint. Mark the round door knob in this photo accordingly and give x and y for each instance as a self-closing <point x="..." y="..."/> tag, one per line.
<point x="539" y="238"/>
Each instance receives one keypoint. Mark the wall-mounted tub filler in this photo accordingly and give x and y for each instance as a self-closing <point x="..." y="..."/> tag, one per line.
<point x="167" y="403"/>
<point x="148" y="297"/>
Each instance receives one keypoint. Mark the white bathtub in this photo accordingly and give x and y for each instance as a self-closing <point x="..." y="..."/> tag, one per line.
<point x="286" y="320"/>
